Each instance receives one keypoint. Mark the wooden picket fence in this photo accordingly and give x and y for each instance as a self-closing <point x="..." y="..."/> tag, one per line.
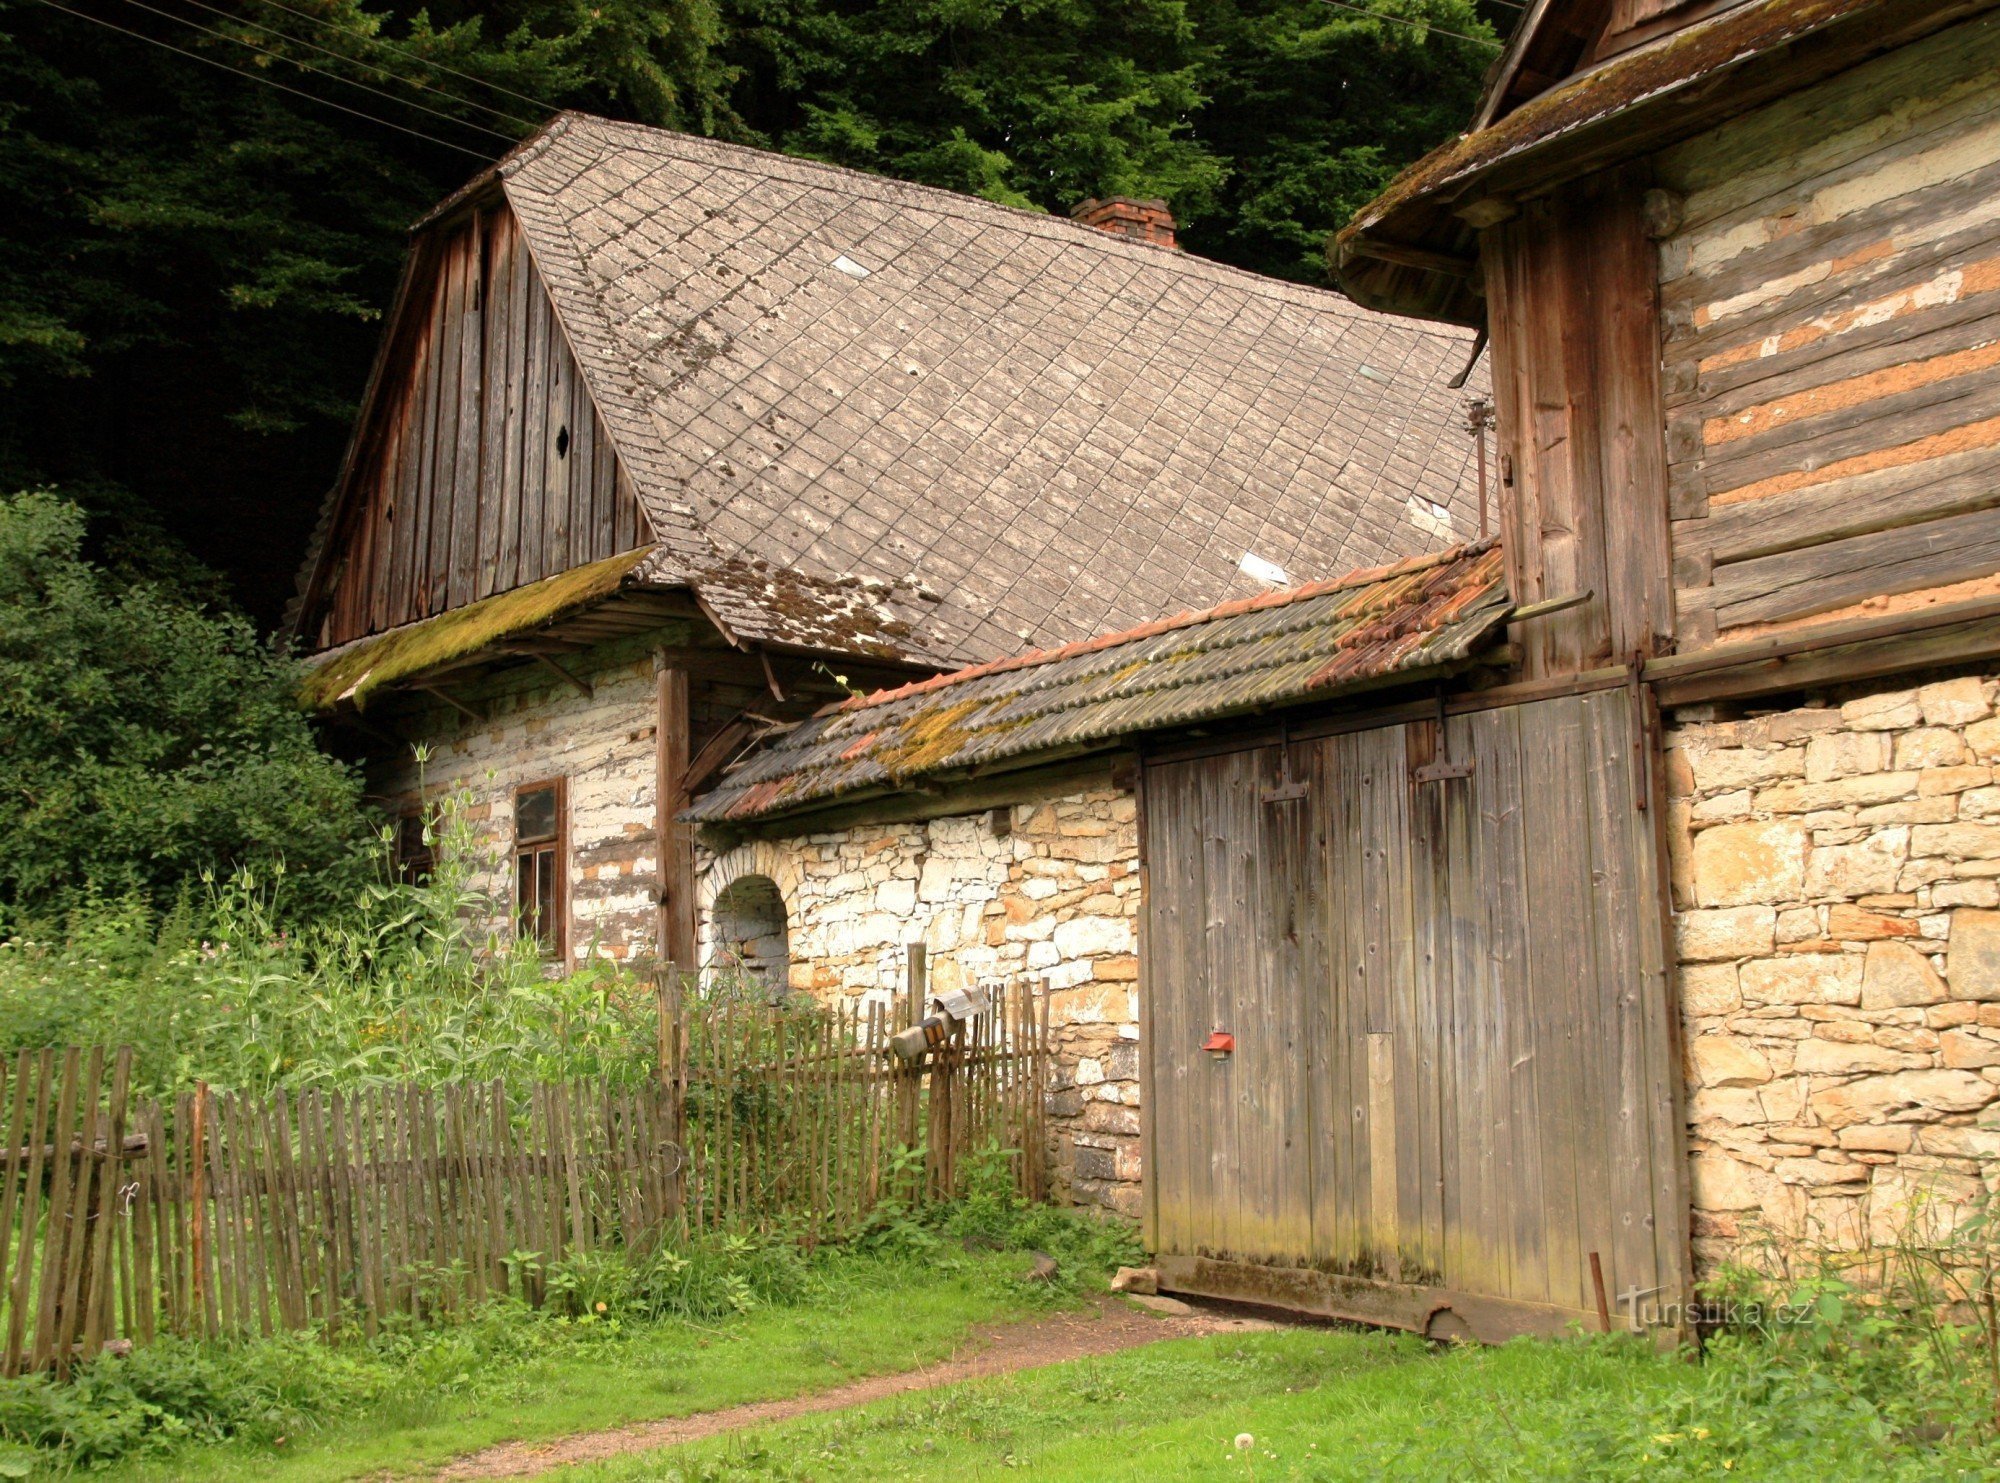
<point x="809" y="1121"/>
<point x="217" y="1214"/>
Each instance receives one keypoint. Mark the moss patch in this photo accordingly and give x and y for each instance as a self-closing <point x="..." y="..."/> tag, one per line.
<point x="353" y="673"/>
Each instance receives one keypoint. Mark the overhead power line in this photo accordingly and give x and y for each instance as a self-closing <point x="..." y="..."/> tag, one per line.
<point x="269" y="82"/>
<point x="379" y="71"/>
<point x="414" y="56"/>
<point x="276" y="56"/>
<point x="1401" y="20"/>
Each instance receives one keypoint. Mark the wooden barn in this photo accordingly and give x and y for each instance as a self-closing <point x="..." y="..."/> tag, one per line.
<point x="1610" y="902"/>
<point x="1476" y="935"/>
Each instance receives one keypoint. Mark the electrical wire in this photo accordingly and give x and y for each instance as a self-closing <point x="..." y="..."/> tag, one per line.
<point x="265" y="51"/>
<point x="419" y="57"/>
<point x="269" y="82"/>
<point x="1377" y="15"/>
<point x="379" y="71"/>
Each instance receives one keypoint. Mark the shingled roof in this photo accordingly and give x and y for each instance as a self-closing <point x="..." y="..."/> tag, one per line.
<point x="1307" y="643"/>
<point x="1053" y="430"/>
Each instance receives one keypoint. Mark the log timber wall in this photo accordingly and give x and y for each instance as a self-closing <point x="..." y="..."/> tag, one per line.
<point x="1831" y="333"/>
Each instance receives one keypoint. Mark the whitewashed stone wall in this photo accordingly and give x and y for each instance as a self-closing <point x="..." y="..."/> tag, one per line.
<point x="1837" y="884"/>
<point x="536" y="728"/>
<point x="1051" y="893"/>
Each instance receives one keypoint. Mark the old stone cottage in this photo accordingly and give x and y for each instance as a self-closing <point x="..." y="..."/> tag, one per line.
<point x="1429" y="922"/>
<point x="671" y="443"/>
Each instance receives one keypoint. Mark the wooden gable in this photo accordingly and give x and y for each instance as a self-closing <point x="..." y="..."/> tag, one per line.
<point x="1556" y="39"/>
<point x="480" y="463"/>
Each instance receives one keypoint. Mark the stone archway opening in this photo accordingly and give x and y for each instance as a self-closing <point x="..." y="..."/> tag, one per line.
<point x="748" y="934"/>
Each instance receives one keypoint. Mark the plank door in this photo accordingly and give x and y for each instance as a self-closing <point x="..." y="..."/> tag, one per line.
<point x="1453" y="1077"/>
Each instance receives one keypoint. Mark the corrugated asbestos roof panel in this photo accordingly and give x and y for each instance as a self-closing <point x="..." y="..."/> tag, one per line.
<point x="1306" y="642"/>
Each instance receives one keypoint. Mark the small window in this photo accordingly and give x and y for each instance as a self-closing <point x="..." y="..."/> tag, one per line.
<point x="416" y="845"/>
<point x="538" y="865"/>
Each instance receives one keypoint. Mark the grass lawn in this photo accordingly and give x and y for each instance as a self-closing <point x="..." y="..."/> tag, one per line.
<point x="467" y="1389"/>
<point x="1332" y="1404"/>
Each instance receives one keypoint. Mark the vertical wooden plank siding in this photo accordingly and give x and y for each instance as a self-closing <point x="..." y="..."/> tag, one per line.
<point x="1573" y="305"/>
<point x="1453" y="1068"/>
<point x="483" y="465"/>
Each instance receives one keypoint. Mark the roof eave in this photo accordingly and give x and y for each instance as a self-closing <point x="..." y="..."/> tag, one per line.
<point x="1406" y="252"/>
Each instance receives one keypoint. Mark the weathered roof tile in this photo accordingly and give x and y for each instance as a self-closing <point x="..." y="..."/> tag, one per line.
<point x="1250" y="652"/>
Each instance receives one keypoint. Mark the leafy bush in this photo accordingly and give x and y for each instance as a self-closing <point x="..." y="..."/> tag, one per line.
<point x="148" y="738"/>
<point x="396" y="986"/>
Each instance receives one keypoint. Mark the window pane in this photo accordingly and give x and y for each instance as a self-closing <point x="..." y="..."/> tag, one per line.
<point x="545" y="899"/>
<point x="524" y="896"/>
<point x="535" y="814"/>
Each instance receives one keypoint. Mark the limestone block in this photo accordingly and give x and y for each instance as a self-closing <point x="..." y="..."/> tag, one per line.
<point x="1710" y="988"/>
<point x="1889" y="1138"/>
<point x="1954" y="702"/>
<point x="1739" y="1106"/>
<point x="1941" y="809"/>
<point x="1918" y="1206"/>
<point x="1806" y="978"/>
<point x="1871" y="866"/>
<point x="1968" y="1050"/>
<point x="1728" y="932"/>
<point x="1086" y="937"/>
<point x="1979" y="803"/>
<point x="1960" y="1142"/>
<point x="1966" y="893"/>
<point x="1936" y="781"/>
<point x="1718" y="1182"/>
<point x="1857" y="792"/>
<point x="1743" y="864"/>
<point x="1957" y="841"/>
<point x="1984" y="738"/>
<point x="1799" y="924"/>
<point x="1722" y="807"/>
<point x="1897" y="976"/>
<point x="1738" y="767"/>
<point x="1891" y="710"/>
<point x="1847" y="923"/>
<point x="1930" y="746"/>
<point x="1844" y="754"/>
<point x="1878" y="1098"/>
<point x="1821" y="1171"/>
<point x="1843" y="1058"/>
<point x="899" y="897"/>
<point x="1972" y="958"/>
<point x="1726" y="1061"/>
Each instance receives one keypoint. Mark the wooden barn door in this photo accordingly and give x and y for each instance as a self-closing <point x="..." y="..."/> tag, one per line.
<point x="1443" y="961"/>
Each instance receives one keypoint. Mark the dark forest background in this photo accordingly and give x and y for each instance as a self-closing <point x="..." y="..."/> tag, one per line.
<point x="196" y="245"/>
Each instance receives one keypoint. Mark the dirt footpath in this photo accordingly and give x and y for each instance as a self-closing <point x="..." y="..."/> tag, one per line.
<point x="993" y="1350"/>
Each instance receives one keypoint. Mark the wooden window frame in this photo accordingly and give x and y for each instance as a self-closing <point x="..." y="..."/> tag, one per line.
<point x="555" y="939"/>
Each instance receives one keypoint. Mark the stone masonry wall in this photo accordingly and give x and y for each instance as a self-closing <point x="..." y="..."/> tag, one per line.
<point x="1046" y="890"/>
<point x="537" y="727"/>
<point x="1836" y="878"/>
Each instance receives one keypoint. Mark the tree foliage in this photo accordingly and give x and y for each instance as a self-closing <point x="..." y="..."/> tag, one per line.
<point x="194" y="263"/>
<point x="144" y="738"/>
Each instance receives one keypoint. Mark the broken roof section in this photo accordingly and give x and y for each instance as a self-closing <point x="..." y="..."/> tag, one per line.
<point x="1055" y="430"/>
<point x="1313" y="642"/>
<point x="779" y="609"/>
<point x="1414" y="249"/>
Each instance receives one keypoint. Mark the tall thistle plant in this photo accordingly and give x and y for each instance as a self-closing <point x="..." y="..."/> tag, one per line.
<point x="404" y="985"/>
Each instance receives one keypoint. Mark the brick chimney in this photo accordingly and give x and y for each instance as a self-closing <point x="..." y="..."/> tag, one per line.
<point x="1127" y="216"/>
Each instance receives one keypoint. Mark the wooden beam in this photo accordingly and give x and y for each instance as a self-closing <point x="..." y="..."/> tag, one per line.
<point x="671" y="737"/>
<point x="1405" y="256"/>
<point x="453" y="701"/>
<point x="716" y="752"/>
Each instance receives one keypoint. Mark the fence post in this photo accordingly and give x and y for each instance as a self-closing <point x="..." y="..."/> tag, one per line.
<point x="910" y="1080"/>
<point x="198" y="1224"/>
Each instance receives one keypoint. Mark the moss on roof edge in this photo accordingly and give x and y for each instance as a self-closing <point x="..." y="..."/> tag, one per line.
<point x="350" y="674"/>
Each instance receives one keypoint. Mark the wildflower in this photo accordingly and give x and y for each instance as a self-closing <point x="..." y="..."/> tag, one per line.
<point x="1244" y="1441"/>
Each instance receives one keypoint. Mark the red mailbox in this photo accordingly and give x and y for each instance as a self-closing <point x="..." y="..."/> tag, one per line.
<point x="1219" y="1044"/>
